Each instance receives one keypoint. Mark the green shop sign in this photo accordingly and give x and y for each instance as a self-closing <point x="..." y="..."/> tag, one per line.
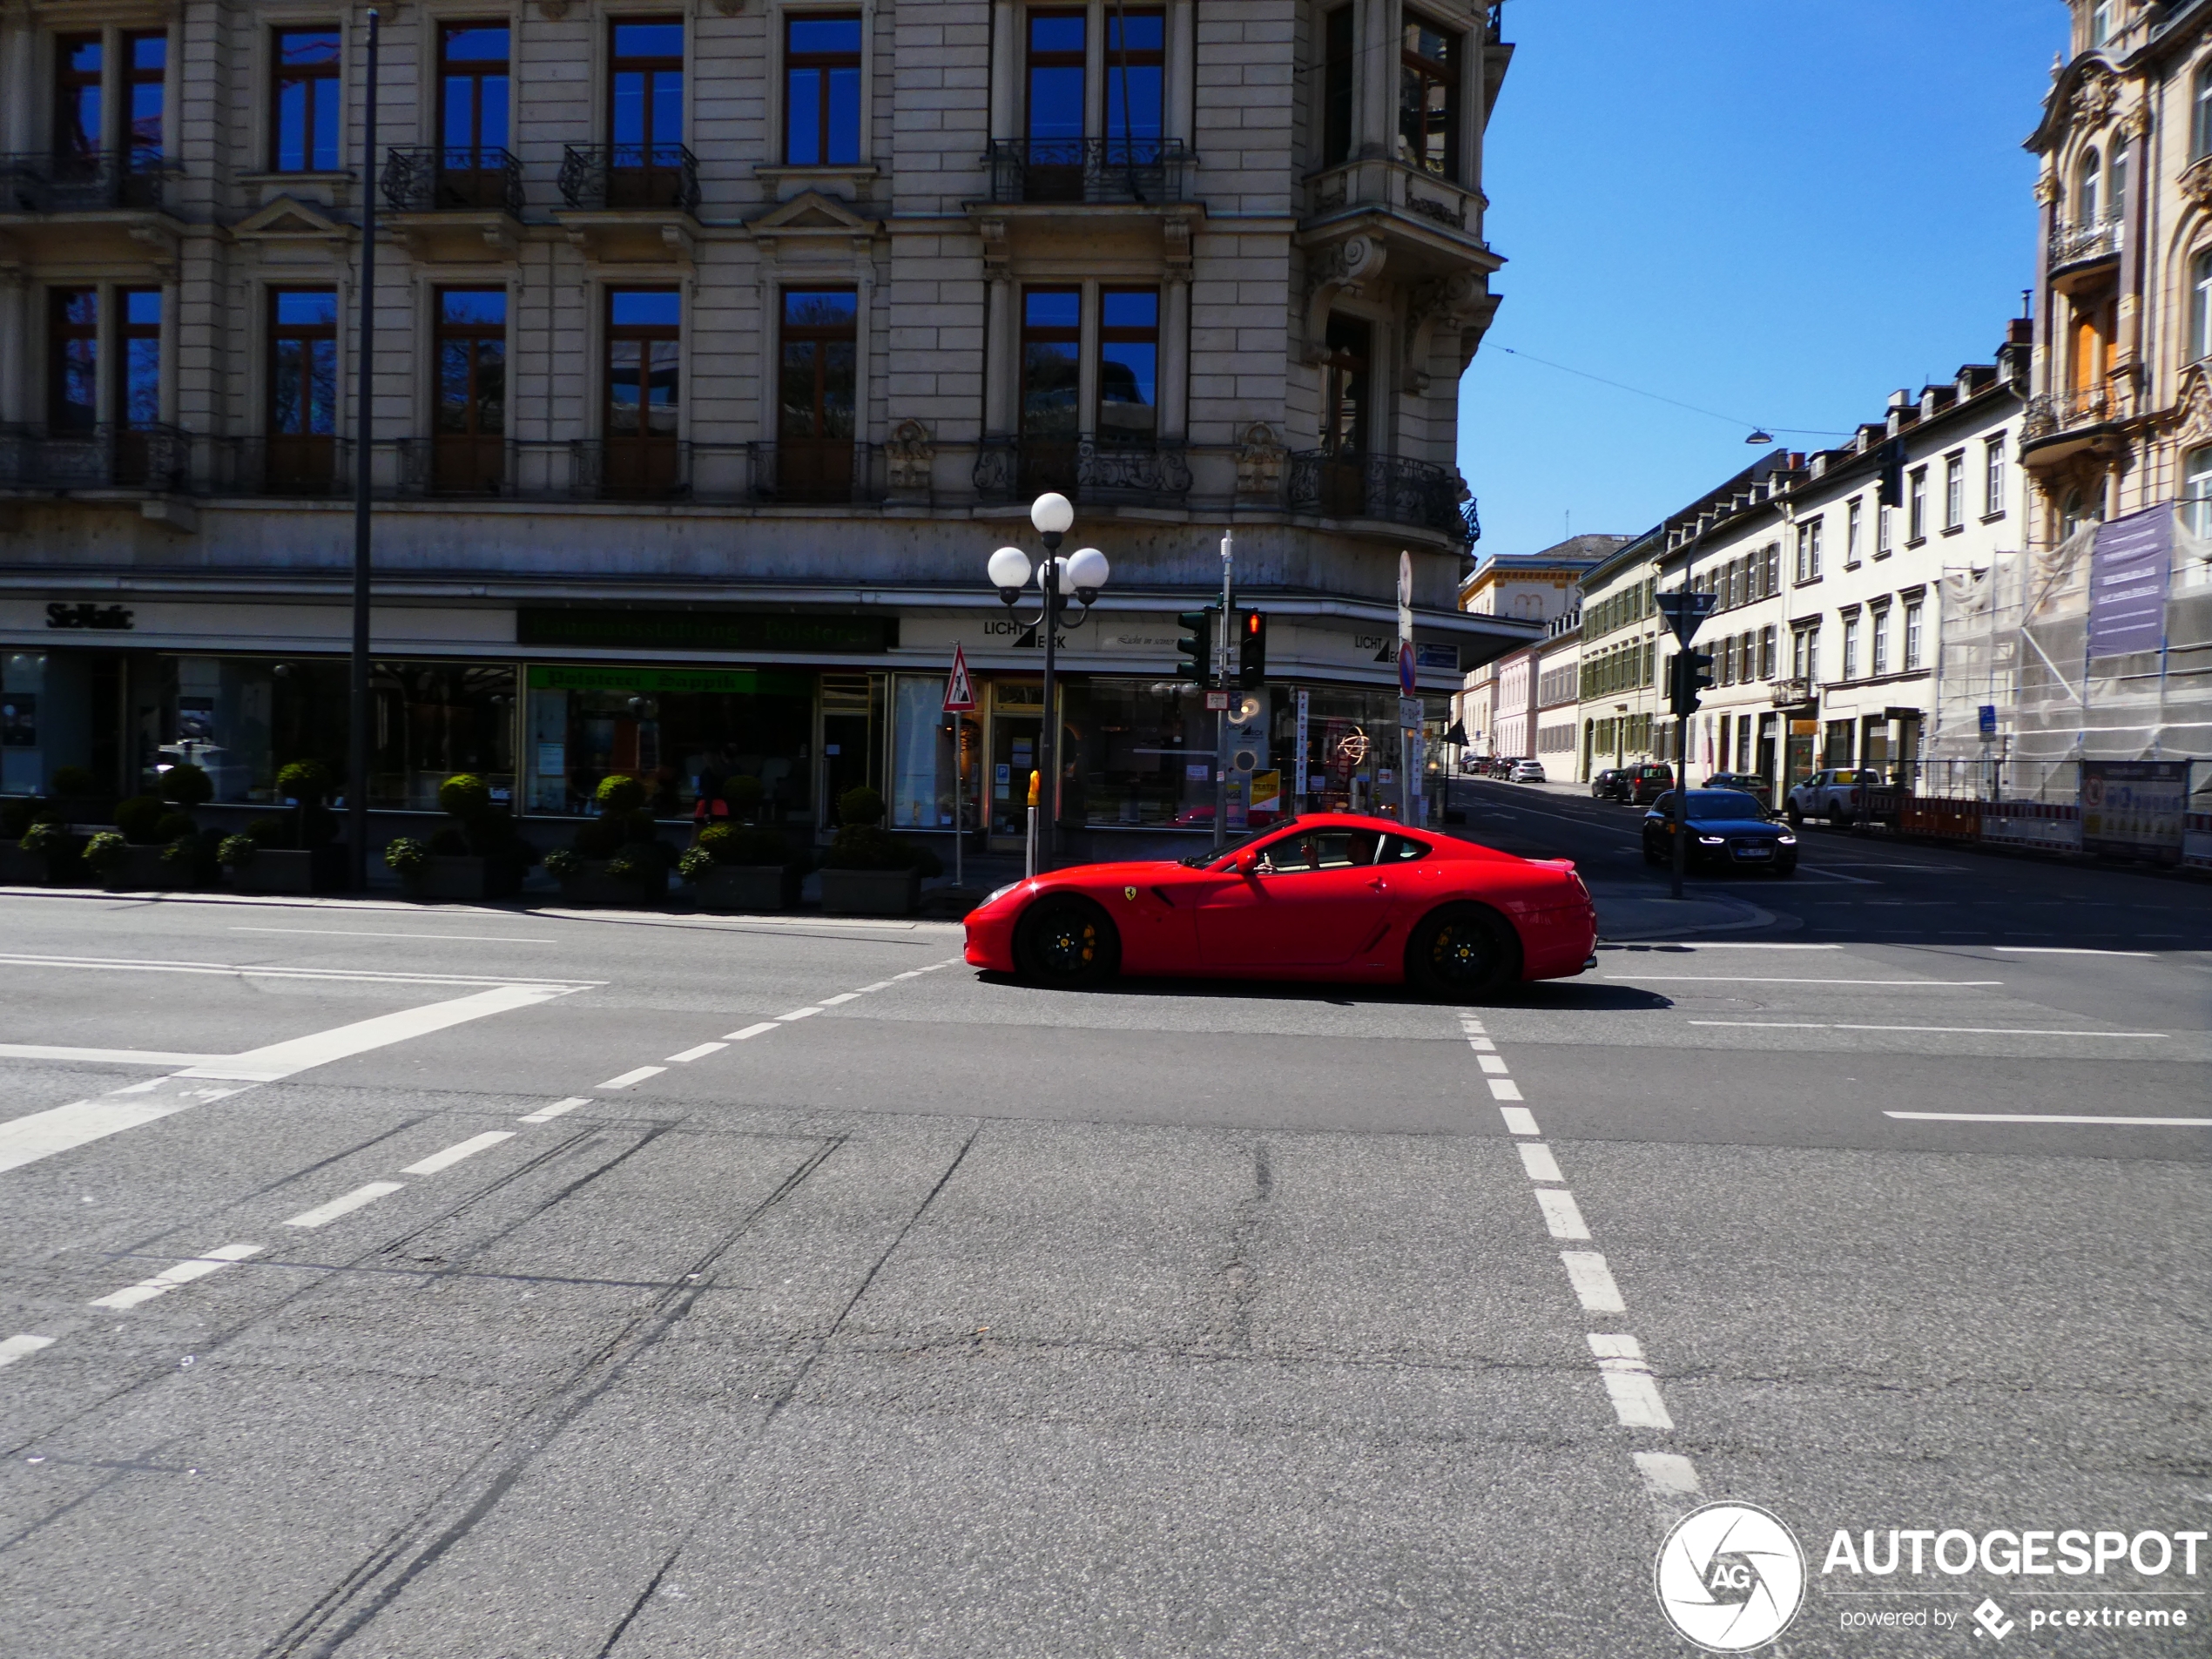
<point x="770" y="682"/>
<point x="704" y="629"/>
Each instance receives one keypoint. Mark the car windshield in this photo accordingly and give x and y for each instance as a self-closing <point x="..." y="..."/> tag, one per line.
<point x="1710" y="804"/>
<point x="1199" y="861"/>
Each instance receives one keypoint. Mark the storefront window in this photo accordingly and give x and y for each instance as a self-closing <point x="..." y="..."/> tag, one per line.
<point x="1141" y="753"/>
<point x="679" y="732"/>
<point x="928" y="756"/>
<point x="22" y="679"/>
<point x="1353" y="757"/>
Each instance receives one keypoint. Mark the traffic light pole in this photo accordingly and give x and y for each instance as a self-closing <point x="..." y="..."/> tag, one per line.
<point x="1222" y="642"/>
<point x="1681" y="778"/>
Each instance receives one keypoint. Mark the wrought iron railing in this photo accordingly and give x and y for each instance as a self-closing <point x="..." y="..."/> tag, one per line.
<point x="595" y="176"/>
<point x="310" y="465"/>
<point x="101" y="457"/>
<point x="630" y="468"/>
<point x="101" y="178"/>
<point x="457" y="465"/>
<point x="1094" y="469"/>
<point x="426" y="178"/>
<point x="1391" y="487"/>
<point x="2081" y="244"/>
<point x="803" y="471"/>
<point x="1089" y="170"/>
<point x="2050" y="412"/>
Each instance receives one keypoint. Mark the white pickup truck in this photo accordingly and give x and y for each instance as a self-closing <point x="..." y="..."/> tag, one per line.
<point x="1835" y="793"/>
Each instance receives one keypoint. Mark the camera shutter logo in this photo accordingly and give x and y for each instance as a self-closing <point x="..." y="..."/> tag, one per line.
<point x="1731" y="1577"/>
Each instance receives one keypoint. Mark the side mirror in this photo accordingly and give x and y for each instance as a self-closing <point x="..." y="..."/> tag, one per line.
<point x="1247" y="863"/>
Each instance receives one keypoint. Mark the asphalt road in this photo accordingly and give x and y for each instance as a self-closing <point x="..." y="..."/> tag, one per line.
<point x="378" y="1280"/>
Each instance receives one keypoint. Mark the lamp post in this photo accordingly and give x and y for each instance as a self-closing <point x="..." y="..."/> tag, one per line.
<point x="1066" y="590"/>
<point x="357" y="702"/>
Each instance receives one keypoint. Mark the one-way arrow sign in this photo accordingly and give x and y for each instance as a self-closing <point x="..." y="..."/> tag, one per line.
<point x="1684" y="610"/>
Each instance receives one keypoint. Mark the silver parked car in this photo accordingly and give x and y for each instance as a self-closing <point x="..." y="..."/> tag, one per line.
<point x="1528" y="771"/>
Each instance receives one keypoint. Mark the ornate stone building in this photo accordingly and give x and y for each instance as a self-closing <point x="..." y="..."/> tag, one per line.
<point x="716" y="345"/>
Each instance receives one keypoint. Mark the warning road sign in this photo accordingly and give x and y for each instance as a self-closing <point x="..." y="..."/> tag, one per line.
<point x="959" y="691"/>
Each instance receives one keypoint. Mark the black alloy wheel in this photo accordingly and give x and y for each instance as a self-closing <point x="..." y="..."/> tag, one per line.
<point x="1464" y="952"/>
<point x="1066" y="942"/>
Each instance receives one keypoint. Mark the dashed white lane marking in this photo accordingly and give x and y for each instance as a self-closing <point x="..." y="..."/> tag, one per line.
<point x="1492" y="1063"/>
<point x="1949" y="1030"/>
<point x="1592" y="1282"/>
<point x="323" y="1214"/>
<point x="249" y="970"/>
<point x="105" y="1056"/>
<point x="880" y="985"/>
<point x="842" y="996"/>
<point x="357" y="933"/>
<point x="1761" y="978"/>
<point x="629" y="1077"/>
<point x="1504" y="1089"/>
<point x="2052" y="1117"/>
<point x="806" y="1013"/>
<point x="1667" y="1474"/>
<point x="762" y="1029"/>
<point x="1536" y="1158"/>
<point x="21" y="1348"/>
<point x="1628" y="1381"/>
<point x="1480" y="1044"/>
<point x="698" y="1053"/>
<point x="912" y="973"/>
<point x="1519" y="1120"/>
<point x="1733" y="945"/>
<point x="547" y="1114"/>
<point x="459" y="1150"/>
<point x="1561" y="1215"/>
<point x="183" y="1273"/>
<point x="2066" y="950"/>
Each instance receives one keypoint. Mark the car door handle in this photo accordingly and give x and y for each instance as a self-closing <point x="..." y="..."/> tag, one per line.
<point x="1379" y="885"/>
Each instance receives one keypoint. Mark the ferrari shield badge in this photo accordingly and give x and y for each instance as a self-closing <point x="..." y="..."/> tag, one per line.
<point x="1129" y="892"/>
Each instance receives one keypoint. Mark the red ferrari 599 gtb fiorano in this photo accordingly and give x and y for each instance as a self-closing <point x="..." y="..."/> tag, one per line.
<point x="1328" y="897"/>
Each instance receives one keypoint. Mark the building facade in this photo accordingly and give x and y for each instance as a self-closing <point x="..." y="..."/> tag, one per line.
<point x="1501" y="701"/>
<point x="715" y="348"/>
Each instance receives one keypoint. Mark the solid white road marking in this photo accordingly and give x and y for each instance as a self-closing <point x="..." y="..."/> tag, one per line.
<point x="842" y="996"/>
<point x="2048" y="1117"/>
<point x="352" y="1201"/>
<point x="2064" y="950"/>
<point x="1669" y="950"/>
<point x="25" y="1140"/>
<point x="1667" y="1474"/>
<point x="358" y="933"/>
<point x="1519" y="1120"/>
<point x="1491" y="1063"/>
<point x="1593" y="1281"/>
<point x="183" y="1273"/>
<point x="459" y="1150"/>
<point x="1951" y="1030"/>
<point x="1537" y="1159"/>
<point x="547" y="1114"/>
<point x="105" y="1056"/>
<point x="762" y="1029"/>
<point x="1504" y="1089"/>
<point x="1628" y="1381"/>
<point x="1560" y="1213"/>
<point x="21" y="1348"/>
<point x="797" y="1014"/>
<point x="629" y="1077"/>
<point x="280" y="1060"/>
<point x="699" y="1052"/>
<point x="1755" y="979"/>
<point x="247" y="970"/>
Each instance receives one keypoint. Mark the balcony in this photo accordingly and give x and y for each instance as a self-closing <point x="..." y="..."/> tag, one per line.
<point x="629" y="178"/>
<point x="101" y="181"/>
<point x="1095" y="471"/>
<point x="1791" y="693"/>
<point x="2061" y="424"/>
<point x="1142" y="171"/>
<point x="831" y="472"/>
<point x="2076" y="245"/>
<point x="103" y="457"/>
<point x="311" y="465"/>
<point x="650" y="469"/>
<point x="1390" y="488"/>
<point x="428" y="180"/>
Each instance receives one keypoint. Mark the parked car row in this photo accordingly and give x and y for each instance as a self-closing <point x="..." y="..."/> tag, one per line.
<point x="1632" y="785"/>
<point x="1512" y="768"/>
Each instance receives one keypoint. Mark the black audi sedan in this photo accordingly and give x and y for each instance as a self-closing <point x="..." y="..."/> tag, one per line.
<point x="1728" y="830"/>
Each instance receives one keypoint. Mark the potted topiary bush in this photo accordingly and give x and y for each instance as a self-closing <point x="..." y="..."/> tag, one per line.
<point x="77" y="796"/>
<point x="868" y="871"/>
<point x="297" y="851"/>
<point x="476" y="854"/>
<point x="738" y="867"/>
<point x="618" y="857"/>
<point x="42" y="851"/>
<point x="134" y="857"/>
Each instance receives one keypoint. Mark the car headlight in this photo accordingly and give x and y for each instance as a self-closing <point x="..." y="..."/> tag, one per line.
<point x="1712" y="840"/>
<point x="998" y="893"/>
<point x="1785" y="840"/>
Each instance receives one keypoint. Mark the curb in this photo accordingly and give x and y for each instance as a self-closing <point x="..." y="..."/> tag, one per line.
<point x="1759" y="918"/>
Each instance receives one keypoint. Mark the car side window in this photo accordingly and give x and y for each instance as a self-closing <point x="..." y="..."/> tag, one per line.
<point x="1402" y="849"/>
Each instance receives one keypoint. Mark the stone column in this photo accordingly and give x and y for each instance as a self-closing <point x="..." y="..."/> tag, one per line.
<point x="999" y="350"/>
<point x="1375" y="120"/>
<point x="1175" y="355"/>
<point x="15" y="345"/>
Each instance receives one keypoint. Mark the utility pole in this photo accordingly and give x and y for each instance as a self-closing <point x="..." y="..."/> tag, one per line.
<point x="364" y="383"/>
<point x="1223" y="638"/>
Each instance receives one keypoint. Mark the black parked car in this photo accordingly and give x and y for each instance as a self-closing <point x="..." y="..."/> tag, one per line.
<point x="1644" y="783"/>
<point x="1609" y="785"/>
<point x="1728" y="829"/>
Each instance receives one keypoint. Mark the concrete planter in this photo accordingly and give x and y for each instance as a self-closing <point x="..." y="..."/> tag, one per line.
<point x="870" y="892"/>
<point x="316" y="869"/>
<point x="143" y="869"/>
<point x="753" y="887"/>
<point x="591" y="885"/>
<point x="453" y="876"/>
<point x="22" y="869"/>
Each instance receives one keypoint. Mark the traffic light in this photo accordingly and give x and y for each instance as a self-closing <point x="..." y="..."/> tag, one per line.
<point x="1252" y="650"/>
<point x="1691" y="672"/>
<point x="1197" y="645"/>
<point x="1891" y="456"/>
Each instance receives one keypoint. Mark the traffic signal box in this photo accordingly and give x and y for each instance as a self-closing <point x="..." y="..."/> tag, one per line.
<point x="1252" y="650"/>
<point x="1691" y="672"/>
<point x="1197" y="645"/>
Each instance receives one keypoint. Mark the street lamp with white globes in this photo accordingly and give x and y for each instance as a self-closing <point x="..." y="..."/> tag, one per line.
<point x="1066" y="590"/>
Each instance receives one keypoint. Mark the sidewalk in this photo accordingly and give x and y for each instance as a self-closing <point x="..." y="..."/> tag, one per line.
<point x="1636" y="910"/>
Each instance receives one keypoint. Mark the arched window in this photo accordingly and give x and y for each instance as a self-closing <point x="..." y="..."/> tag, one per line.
<point x="2199" y="337"/>
<point x="2200" y="113"/>
<point x="2196" y="491"/>
<point x="2078" y="510"/>
<point x="2117" y="197"/>
<point x="2086" y="178"/>
<point x="2099" y="25"/>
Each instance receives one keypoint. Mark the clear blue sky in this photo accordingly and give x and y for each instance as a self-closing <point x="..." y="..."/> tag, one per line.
<point x="1781" y="212"/>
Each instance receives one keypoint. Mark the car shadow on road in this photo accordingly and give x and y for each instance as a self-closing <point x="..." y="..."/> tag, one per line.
<point x="1570" y="995"/>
